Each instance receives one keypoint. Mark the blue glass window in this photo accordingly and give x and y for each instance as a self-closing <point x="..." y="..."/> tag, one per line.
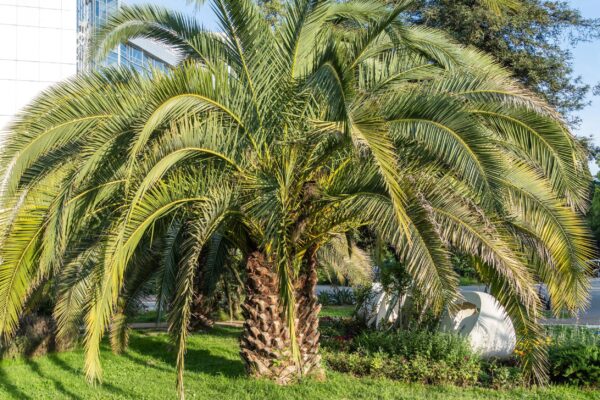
<point x="137" y="56"/>
<point x="113" y="58"/>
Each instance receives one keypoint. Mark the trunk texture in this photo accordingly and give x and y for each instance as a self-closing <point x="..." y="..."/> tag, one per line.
<point x="307" y="318"/>
<point x="265" y="342"/>
<point x="201" y="311"/>
<point x="202" y="305"/>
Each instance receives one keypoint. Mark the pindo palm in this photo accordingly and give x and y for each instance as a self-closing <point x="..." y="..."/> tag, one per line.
<point x="276" y="142"/>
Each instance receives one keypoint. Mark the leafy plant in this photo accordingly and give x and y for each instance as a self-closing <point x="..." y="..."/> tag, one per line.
<point x="500" y="374"/>
<point x="342" y="296"/>
<point x="409" y="344"/>
<point x="414" y="356"/>
<point x="324" y="298"/>
<point x="425" y="357"/>
<point x="576" y="364"/>
<point x="564" y="335"/>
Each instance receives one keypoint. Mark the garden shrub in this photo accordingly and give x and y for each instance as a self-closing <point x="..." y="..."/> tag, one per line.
<point x="419" y="369"/>
<point x="500" y="374"/>
<point x="565" y="335"/>
<point x="362" y="293"/>
<point x="324" y="298"/>
<point x="338" y="333"/>
<point x="431" y="357"/>
<point x="574" y="355"/>
<point x="575" y="364"/>
<point x="425" y="357"/>
<point x="409" y="344"/>
<point x="342" y="297"/>
<point x="337" y="297"/>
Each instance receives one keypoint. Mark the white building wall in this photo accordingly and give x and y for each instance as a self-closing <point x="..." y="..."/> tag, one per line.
<point x="38" y="45"/>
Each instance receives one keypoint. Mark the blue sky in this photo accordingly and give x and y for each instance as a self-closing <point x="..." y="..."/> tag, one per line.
<point x="587" y="63"/>
<point x="586" y="55"/>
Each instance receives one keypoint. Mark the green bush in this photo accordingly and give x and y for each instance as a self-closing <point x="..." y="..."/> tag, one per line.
<point x="409" y="344"/>
<point x="565" y="335"/>
<point x="337" y="297"/>
<point x="342" y="297"/>
<point x="324" y="298"/>
<point x="575" y="364"/>
<point x="419" y="369"/>
<point x="574" y="355"/>
<point x="338" y="333"/>
<point x="425" y="357"/>
<point x="500" y="374"/>
<point x="441" y="358"/>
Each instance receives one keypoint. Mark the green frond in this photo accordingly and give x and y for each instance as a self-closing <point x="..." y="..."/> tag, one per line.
<point x="562" y="232"/>
<point x="157" y="203"/>
<point x="547" y="145"/>
<point x="499" y="6"/>
<point x="211" y="214"/>
<point x="345" y="261"/>
<point x="182" y="34"/>
<point x="20" y="249"/>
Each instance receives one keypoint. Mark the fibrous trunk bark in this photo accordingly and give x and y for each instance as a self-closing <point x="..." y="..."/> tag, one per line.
<point x="307" y="314"/>
<point x="201" y="311"/>
<point x="202" y="304"/>
<point x="265" y="342"/>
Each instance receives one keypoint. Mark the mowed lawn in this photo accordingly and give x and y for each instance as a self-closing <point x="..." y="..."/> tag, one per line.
<point x="214" y="371"/>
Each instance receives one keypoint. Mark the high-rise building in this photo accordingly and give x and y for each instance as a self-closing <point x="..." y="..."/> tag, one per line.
<point x="38" y="47"/>
<point x="44" y="41"/>
<point x="140" y="54"/>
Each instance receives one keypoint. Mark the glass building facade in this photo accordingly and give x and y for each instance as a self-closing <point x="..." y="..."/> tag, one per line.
<point x="44" y="41"/>
<point x="139" y="54"/>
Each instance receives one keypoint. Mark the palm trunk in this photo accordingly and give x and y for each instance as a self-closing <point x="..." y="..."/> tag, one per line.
<point x="201" y="311"/>
<point x="307" y="314"/>
<point x="265" y="342"/>
<point x="202" y="305"/>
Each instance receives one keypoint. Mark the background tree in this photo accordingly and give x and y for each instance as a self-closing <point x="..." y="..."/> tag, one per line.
<point x="532" y="43"/>
<point x="594" y="213"/>
<point x="271" y="8"/>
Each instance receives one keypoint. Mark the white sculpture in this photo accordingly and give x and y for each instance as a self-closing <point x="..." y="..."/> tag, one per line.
<point x="381" y="308"/>
<point x="485" y="324"/>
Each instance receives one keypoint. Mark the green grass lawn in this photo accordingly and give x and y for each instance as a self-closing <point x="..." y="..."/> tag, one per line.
<point x="213" y="371"/>
<point x="337" y="311"/>
<point x="148" y="316"/>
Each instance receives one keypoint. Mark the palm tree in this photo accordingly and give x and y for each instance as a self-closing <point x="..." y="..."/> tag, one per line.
<point x="275" y="143"/>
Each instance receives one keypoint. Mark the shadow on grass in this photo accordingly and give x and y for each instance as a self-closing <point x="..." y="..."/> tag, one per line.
<point x="196" y="360"/>
<point x="227" y="332"/>
<point x="147" y="351"/>
<point x="14" y="391"/>
<point x="58" y="385"/>
<point x="61" y="364"/>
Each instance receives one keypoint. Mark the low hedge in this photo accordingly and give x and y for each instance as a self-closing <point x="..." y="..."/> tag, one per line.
<point x="424" y="357"/>
<point x="576" y="364"/>
<point x="433" y="357"/>
<point x="417" y="369"/>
